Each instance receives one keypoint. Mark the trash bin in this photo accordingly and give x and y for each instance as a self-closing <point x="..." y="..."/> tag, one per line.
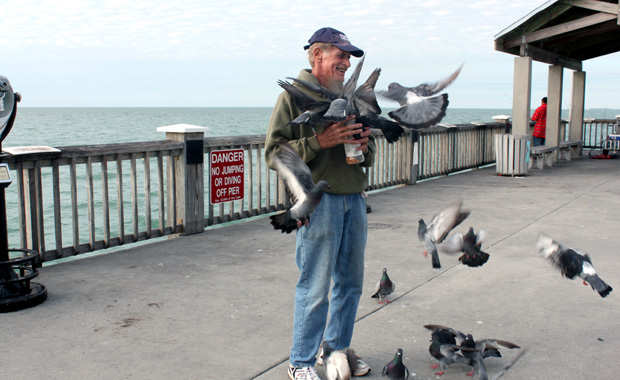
<point x="512" y="154"/>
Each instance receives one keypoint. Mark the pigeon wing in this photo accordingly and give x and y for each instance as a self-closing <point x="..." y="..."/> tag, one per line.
<point x="429" y="89"/>
<point x="423" y="113"/>
<point x="365" y="100"/>
<point x="293" y="171"/>
<point x="443" y="222"/>
<point x="315" y="88"/>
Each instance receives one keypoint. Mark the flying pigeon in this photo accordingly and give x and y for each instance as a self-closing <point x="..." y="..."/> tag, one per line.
<point x="396" y="370"/>
<point x="440" y="226"/>
<point x="384" y="287"/>
<point x="477" y="350"/>
<point x="420" y="107"/>
<point x="367" y="111"/>
<point x="303" y="193"/>
<point x="469" y="244"/>
<point x="444" y="348"/>
<point x="360" y="102"/>
<point x="572" y="263"/>
<point x="339" y="364"/>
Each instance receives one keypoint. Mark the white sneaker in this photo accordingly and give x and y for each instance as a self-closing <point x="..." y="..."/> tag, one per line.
<point x="303" y="373"/>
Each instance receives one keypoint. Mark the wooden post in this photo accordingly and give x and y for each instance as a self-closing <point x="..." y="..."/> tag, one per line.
<point x="189" y="173"/>
<point x="575" y="126"/>
<point x="522" y="88"/>
<point x="554" y="108"/>
<point x="504" y="119"/>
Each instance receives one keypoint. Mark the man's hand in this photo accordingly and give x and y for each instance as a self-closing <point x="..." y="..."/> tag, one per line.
<point x="341" y="133"/>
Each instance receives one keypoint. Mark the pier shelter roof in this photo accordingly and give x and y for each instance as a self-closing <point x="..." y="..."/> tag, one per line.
<point x="564" y="32"/>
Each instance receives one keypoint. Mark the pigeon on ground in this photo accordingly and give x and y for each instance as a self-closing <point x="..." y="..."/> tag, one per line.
<point x="420" y="108"/>
<point x="469" y="244"/>
<point x="396" y="370"/>
<point x="339" y="364"/>
<point x="384" y="287"/>
<point x="500" y="374"/>
<point x="478" y="350"/>
<point x="572" y="263"/>
<point x="444" y="348"/>
<point x="440" y="226"/>
<point x="303" y="193"/>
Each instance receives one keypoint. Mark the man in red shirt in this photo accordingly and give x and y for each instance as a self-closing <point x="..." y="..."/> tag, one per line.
<point x="540" y="128"/>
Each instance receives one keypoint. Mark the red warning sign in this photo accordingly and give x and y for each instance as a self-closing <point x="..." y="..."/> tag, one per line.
<point x="226" y="175"/>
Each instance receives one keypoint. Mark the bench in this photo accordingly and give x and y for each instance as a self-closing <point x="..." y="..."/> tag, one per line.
<point x="569" y="149"/>
<point x="543" y="155"/>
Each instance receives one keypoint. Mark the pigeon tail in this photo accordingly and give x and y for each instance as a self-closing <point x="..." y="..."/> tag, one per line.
<point x="476" y="260"/>
<point x="423" y="114"/>
<point x="435" y="258"/>
<point x="283" y="221"/>
<point x="599" y="285"/>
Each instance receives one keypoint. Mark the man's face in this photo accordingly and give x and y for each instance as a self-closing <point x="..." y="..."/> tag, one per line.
<point x="331" y="67"/>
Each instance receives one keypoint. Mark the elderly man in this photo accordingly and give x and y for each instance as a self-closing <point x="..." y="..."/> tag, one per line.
<point x="331" y="247"/>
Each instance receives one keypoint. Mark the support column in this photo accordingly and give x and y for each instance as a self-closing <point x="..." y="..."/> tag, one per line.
<point x="554" y="107"/>
<point x="521" y="94"/>
<point x="189" y="173"/>
<point x="577" y="105"/>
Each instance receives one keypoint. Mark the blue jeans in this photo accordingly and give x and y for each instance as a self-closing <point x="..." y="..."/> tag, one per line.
<point x="330" y="248"/>
<point x="537" y="141"/>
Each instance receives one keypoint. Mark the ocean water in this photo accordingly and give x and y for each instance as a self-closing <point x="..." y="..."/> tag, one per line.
<point x="84" y="126"/>
<point x="58" y="127"/>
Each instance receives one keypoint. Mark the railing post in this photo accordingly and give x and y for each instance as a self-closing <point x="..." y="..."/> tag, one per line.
<point x="617" y="124"/>
<point x="413" y="158"/>
<point x="505" y="119"/>
<point x="189" y="172"/>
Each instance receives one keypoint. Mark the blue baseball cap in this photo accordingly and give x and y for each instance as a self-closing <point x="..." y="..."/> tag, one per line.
<point x="336" y="38"/>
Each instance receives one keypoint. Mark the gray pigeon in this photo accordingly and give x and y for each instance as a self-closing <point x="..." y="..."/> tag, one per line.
<point x="342" y="107"/>
<point x="439" y="227"/>
<point x="444" y="348"/>
<point x="572" y="263"/>
<point x="339" y="364"/>
<point x="478" y="350"/>
<point x="500" y="374"/>
<point x="396" y="370"/>
<point x="303" y="193"/>
<point x="384" y="287"/>
<point x="420" y="107"/>
<point x="468" y="244"/>
<point x="313" y="110"/>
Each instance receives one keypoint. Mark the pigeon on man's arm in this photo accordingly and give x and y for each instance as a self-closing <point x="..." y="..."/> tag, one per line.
<point x="303" y="193"/>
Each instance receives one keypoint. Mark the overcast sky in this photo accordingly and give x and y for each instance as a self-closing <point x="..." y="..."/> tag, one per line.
<point x="206" y="53"/>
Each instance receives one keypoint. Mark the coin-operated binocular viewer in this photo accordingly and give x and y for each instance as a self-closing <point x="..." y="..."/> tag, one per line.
<point x="16" y="289"/>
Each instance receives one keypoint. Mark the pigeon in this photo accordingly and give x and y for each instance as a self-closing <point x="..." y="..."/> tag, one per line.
<point x="396" y="370"/>
<point x="439" y="227"/>
<point x="420" y="107"/>
<point x="500" y="374"/>
<point x="469" y="244"/>
<point x="313" y="110"/>
<point x="572" y="263"/>
<point x="444" y="348"/>
<point x="477" y="350"/>
<point x="360" y="102"/>
<point x="384" y="287"/>
<point x="303" y="193"/>
<point x="339" y="364"/>
<point x="367" y="111"/>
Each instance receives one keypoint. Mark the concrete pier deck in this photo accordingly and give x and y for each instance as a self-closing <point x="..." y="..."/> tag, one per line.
<point x="219" y="305"/>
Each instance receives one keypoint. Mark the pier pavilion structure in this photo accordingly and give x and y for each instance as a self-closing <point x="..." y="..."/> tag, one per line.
<point x="563" y="34"/>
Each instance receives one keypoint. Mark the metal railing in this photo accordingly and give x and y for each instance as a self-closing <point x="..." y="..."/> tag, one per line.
<point x="595" y="131"/>
<point x="88" y="198"/>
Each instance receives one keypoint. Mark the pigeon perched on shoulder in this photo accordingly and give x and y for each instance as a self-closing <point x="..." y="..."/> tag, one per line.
<point x="396" y="370"/>
<point x="384" y="287"/>
<point x="439" y="227"/>
<point x="313" y="110"/>
<point x="339" y="364"/>
<point x="572" y="263"/>
<point x="303" y="193"/>
<point x="478" y="350"/>
<point x="469" y="244"/>
<point x="420" y="107"/>
<point x="444" y="348"/>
